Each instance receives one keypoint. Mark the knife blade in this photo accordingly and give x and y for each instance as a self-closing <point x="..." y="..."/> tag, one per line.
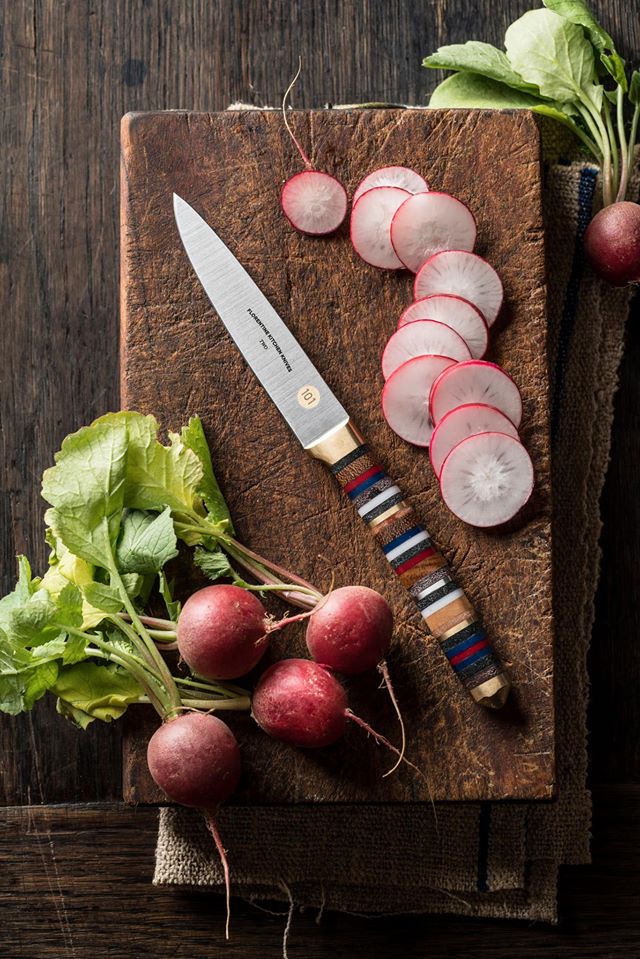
<point x="323" y="427"/>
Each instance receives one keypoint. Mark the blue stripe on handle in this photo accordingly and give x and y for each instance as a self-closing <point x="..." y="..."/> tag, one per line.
<point x="484" y="653"/>
<point x="399" y="540"/>
<point x="357" y="490"/>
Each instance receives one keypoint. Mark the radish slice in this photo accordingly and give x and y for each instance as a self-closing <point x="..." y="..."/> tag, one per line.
<point x="314" y="202"/>
<point x="462" y="316"/>
<point x="465" y="421"/>
<point x="486" y="479"/>
<point x="370" y="223"/>
<point x="419" y="339"/>
<point x="475" y="381"/>
<point x="465" y="274"/>
<point x="400" y="176"/>
<point x="405" y="397"/>
<point x="428" y="223"/>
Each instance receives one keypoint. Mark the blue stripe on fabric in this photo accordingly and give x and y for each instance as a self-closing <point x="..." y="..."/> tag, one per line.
<point x="361" y="487"/>
<point x="586" y="190"/>
<point x="399" y="540"/>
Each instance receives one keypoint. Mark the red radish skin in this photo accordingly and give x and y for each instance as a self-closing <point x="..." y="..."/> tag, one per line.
<point x="465" y="274"/>
<point x="486" y="479"/>
<point x="314" y="203"/>
<point x="428" y="223"/>
<point x="400" y="176"/>
<point x="222" y="632"/>
<point x="350" y="630"/>
<point x="419" y="339"/>
<point x="464" y="421"/>
<point x="458" y="313"/>
<point x="299" y="702"/>
<point x="612" y="243"/>
<point x="195" y="759"/>
<point x="370" y="226"/>
<point x="405" y="397"/>
<point x="475" y="381"/>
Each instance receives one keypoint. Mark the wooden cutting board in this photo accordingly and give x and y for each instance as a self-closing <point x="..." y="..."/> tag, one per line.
<point x="177" y="360"/>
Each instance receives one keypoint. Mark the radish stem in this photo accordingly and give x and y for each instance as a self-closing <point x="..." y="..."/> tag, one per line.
<point x="305" y="158"/>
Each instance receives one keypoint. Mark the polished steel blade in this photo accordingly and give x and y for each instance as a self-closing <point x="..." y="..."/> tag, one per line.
<point x="272" y="352"/>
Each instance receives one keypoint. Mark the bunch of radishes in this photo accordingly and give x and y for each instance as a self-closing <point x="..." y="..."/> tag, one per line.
<point x="223" y="632"/>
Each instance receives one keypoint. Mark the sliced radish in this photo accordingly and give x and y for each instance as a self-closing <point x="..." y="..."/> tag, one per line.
<point x="370" y="223"/>
<point x="465" y="274"/>
<point x="486" y="479"/>
<point x="400" y="176"/>
<point x="475" y="381"/>
<point x="465" y="421"/>
<point x="462" y="316"/>
<point x="314" y="202"/>
<point x="419" y="339"/>
<point x="428" y="223"/>
<point x="405" y="397"/>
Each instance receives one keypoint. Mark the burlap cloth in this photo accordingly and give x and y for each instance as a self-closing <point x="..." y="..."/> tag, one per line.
<point x="483" y="859"/>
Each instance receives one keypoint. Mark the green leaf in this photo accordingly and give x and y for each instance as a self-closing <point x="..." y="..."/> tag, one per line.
<point x="578" y="12"/>
<point x="105" y="598"/>
<point x="24" y="588"/>
<point x="192" y="436"/>
<point x="38" y="682"/>
<point x="86" y="488"/>
<point x="88" y="691"/>
<point x="34" y="623"/>
<point x="634" y="87"/>
<point x="553" y="53"/>
<point x="481" y="58"/>
<point x="13" y="659"/>
<point x="147" y="542"/>
<point x="214" y="564"/>
<point x="134" y="583"/>
<point x="166" y="591"/>
<point x="157" y="476"/>
<point x="74" y="650"/>
<point x="11" y="694"/>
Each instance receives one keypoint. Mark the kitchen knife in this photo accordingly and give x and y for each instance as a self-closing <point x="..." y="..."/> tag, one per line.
<point x="324" y="429"/>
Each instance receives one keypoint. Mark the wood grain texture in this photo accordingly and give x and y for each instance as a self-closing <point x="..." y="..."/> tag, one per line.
<point x="71" y="874"/>
<point x="177" y="360"/>
<point x="69" y="72"/>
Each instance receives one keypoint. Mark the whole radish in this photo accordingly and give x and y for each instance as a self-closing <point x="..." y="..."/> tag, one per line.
<point x="612" y="243"/>
<point x="195" y="759"/>
<point x="301" y="703"/>
<point x="222" y="632"/>
<point x="313" y="202"/>
<point x="350" y="630"/>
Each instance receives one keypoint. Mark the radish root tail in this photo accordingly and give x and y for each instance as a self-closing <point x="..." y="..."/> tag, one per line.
<point x="383" y="669"/>
<point x="305" y="159"/>
<point x="213" y="829"/>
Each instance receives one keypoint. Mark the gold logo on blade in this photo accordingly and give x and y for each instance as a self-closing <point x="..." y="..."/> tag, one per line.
<point x="308" y="397"/>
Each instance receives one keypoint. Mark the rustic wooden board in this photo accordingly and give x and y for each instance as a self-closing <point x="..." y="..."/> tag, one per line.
<point x="177" y="360"/>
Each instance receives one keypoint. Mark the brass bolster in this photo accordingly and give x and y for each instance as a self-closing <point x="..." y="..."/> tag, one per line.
<point x="337" y="444"/>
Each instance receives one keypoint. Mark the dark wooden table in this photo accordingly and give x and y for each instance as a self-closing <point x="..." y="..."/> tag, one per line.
<point x="76" y="864"/>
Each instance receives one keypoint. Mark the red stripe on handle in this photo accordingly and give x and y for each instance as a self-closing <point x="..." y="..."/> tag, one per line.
<point x="414" y="560"/>
<point x="468" y="652"/>
<point x="360" y="479"/>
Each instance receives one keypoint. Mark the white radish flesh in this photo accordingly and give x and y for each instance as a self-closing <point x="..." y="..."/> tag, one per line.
<point x="314" y="203"/>
<point x="465" y="274"/>
<point x="462" y="316"/>
<point x="400" y="176"/>
<point x="475" y="381"/>
<point x="428" y="223"/>
<point x="466" y="421"/>
<point x="405" y="397"/>
<point x="370" y="224"/>
<point x="419" y="339"/>
<point x="486" y="479"/>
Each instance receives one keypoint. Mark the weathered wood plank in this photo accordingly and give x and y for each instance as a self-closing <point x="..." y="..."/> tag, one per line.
<point x="75" y="882"/>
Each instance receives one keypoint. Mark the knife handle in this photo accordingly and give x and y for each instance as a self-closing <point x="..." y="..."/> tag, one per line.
<point x="423" y="571"/>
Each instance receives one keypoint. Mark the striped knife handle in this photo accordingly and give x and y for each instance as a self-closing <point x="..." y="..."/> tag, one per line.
<point x="423" y="571"/>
